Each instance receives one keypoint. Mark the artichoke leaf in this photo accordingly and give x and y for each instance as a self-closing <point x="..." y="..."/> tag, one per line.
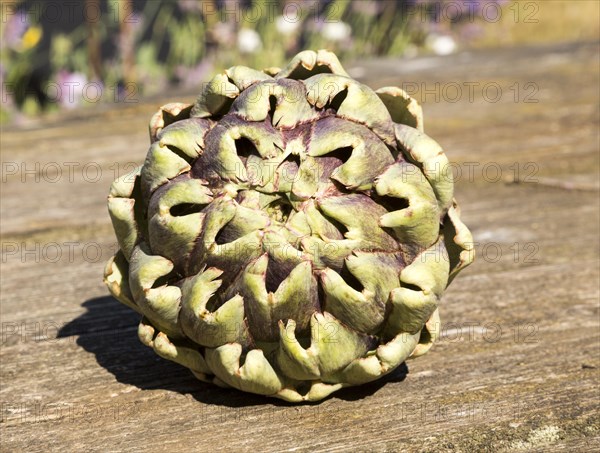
<point x="161" y="165"/>
<point x="210" y="328"/>
<point x="242" y="76"/>
<point x="186" y="135"/>
<point x="458" y="240"/>
<point x="428" y="155"/>
<point x="116" y="274"/>
<point x="123" y="211"/>
<point x="215" y="99"/>
<point x="167" y="114"/>
<point x="256" y="375"/>
<point x="363" y="310"/>
<point x="421" y="286"/>
<point x="360" y="103"/>
<point x="308" y="63"/>
<point x="402" y="107"/>
<point x="386" y="359"/>
<point x="418" y="222"/>
<point x="159" y="304"/>
<point x="428" y="335"/>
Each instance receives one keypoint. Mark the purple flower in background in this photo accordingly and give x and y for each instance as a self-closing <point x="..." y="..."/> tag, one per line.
<point x="14" y="29"/>
<point x="69" y="88"/>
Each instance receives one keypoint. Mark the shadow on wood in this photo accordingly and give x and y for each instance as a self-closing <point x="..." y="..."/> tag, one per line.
<point x="109" y="331"/>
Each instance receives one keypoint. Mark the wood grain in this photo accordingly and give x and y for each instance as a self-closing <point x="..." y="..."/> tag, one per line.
<point x="518" y="365"/>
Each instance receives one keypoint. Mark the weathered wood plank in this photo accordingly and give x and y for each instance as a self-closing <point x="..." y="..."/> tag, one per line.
<point x="518" y="365"/>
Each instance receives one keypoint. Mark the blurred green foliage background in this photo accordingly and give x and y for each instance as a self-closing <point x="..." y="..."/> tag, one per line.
<point x="67" y="54"/>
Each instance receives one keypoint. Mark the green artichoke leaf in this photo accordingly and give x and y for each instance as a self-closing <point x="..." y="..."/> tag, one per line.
<point x="366" y="158"/>
<point x="328" y="253"/>
<point x="319" y="225"/>
<point x="167" y="114"/>
<point x="211" y="328"/>
<point x="235" y="255"/>
<point x="290" y="105"/>
<point x="418" y="222"/>
<point x="186" y="135"/>
<point x="216" y="98"/>
<point x="309" y="177"/>
<point x="458" y="240"/>
<point x="297" y="224"/>
<point x="359" y="103"/>
<point x="242" y="76"/>
<point x="116" y="278"/>
<point x="308" y="63"/>
<point x="278" y="285"/>
<point x="218" y="244"/>
<point x="223" y="159"/>
<point x="218" y="214"/>
<point x="176" y="218"/>
<point x="332" y="347"/>
<point x="386" y="359"/>
<point x="428" y="335"/>
<point x="317" y="391"/>
<point x="161" y="165"/>
<point x="244" y="221"/>
<point x="184" y="354"/>
<point x="421" y="285"/>
<point x="159" y="304"/>
<point x="360" y="215"/>
<point x="363" y="310"/>
<point x="427" y="154"/>
<point x="294" y="360"/>
<point x="335" y="345"/>
<point x="403" y="108"/>
<point x="256" y="375"/>
<point x="124" y="211"/>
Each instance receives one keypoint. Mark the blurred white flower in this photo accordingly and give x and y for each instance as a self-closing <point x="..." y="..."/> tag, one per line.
<point x="286" y="26"/>
<point x="441" y="44"/>
<point x="336" y="31"/>
<point x="69" y="88"/>
<point x="248" y="41"/>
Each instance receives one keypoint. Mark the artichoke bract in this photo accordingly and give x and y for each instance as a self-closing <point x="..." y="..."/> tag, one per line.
<point x="289" y="234"/>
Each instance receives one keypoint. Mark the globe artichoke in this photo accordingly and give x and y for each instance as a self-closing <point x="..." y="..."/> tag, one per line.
<point x="290" y="233"/>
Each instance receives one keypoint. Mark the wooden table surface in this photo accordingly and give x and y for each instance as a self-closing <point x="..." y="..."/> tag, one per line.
<point x="518" y="365"/>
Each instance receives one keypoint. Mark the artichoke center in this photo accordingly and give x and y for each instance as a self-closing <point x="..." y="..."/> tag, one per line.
<point x="279" y="210"/>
